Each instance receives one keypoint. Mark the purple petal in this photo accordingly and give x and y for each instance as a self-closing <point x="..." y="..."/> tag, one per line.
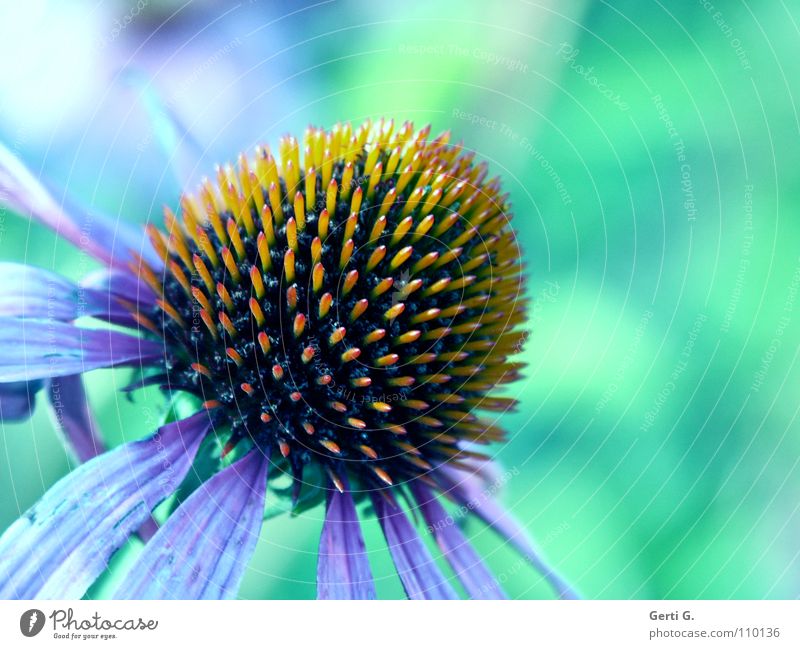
<point x="478" y="581"/>
<point x="415" y="566"/>
<point x="120" y="284"/>
<point x="61" y="544"/>
<point x="73" y="417"/>
<point x="18" y="399"/>
<point x="471" y="493"/>
<point x="203" y="549"/>
<point x="485" y="469"/>
<point x="105" y="238"/>
<point x="35" y="349"/>
<point x="37" y="293"/>
<point x="343" y="569"/>
<point x="111" y="287"/>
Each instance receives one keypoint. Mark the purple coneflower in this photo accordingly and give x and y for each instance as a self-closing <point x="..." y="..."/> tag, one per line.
<point x="340" y="311"/>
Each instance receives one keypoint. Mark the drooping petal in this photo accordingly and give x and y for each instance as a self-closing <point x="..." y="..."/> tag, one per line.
<point x="37" y="293"/>
<point x="182" y="150"/>
<point x="342" y="567"/>
<point x="107" y="239"/>
<point x="201" y="552"/>
<point x="18" y="399"/>
<point x="61" y="544"/>
<point x="35" y="349"/>
<point x="469" y="491"/>
<point x="476" y="578"/>
<point x="72" y="416"/>
<point x="415" y="566"/>
<point x="70" y="411"/>
<point x="113" y="287"/>
<point x="120" y="284"/>
<point x="484" y="469"/>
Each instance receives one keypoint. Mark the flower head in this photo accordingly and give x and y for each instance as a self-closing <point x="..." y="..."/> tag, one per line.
<point x="350" y="310"/>
<point x="341" y="310"/>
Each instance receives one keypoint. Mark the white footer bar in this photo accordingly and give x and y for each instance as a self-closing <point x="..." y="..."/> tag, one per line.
<point x="401" y="625"/>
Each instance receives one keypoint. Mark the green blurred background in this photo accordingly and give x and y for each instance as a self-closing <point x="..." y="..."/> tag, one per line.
<point x="651" y="152"/>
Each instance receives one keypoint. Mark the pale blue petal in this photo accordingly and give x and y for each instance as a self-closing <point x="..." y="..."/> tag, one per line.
<point x="106" y="238"/>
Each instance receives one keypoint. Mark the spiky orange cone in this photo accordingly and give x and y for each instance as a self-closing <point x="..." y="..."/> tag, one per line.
<point x="350" y="304"/>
